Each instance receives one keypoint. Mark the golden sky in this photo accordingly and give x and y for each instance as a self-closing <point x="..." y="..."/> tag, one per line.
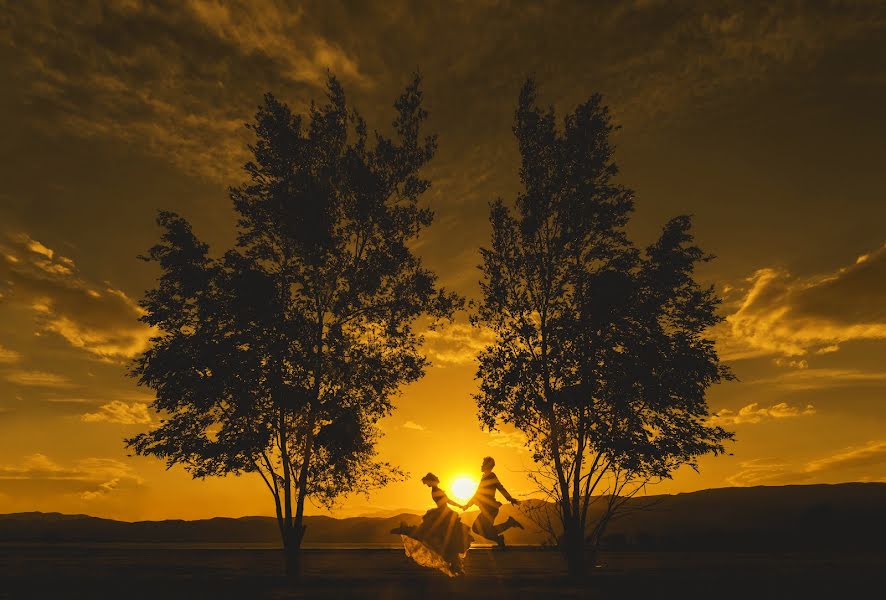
<point x="763" y="121"/>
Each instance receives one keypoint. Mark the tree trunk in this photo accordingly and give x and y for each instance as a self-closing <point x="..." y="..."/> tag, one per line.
<point x="573" y="548"/>
<point x="292" y="555"/>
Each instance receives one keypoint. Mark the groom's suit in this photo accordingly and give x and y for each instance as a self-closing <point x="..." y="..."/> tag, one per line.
<point x="485" y="500"/>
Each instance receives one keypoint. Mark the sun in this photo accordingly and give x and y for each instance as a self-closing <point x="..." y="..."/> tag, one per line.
<point x="462" y="488"/>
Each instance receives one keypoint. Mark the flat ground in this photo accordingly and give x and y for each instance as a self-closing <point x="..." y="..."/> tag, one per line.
<point x="166" y="573"/>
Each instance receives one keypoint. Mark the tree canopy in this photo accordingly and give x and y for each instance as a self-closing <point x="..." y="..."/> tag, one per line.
<point x="280" y="356"/>
<point x="600" y="355"/>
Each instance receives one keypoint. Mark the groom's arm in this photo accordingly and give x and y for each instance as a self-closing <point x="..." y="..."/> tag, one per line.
<point x="504" y="492"/>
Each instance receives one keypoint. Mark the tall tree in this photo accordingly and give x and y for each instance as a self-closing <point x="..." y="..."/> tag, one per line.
<point x="600" y="356"/>
<point x="280" y="357"/>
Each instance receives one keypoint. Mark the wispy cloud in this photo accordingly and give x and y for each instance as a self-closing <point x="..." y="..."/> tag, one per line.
<point x="413" y="425"/>
<point x="793" y="364"/>
<point x="870" y="454"/>
<point x="865" y="462"/>
<point x="67" y="400"/>
<point x="88" y="478"/>
<point x="120" y="412"/>
<point x="704" y="49"/>
<point x="8" y="356"/>
<point x="269" y="31"/>
<point x="754" y="413"/>
<point x="139" y="72"/>
<point x="812" y="379"/>
<point x="508" y="439"/>
<point x="103" y="489"/>
<point x="38" y="379"/>
<point x="765" y="471"/>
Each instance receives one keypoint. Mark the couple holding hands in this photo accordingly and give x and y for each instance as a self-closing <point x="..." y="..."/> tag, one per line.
<point x="441" y="540"/>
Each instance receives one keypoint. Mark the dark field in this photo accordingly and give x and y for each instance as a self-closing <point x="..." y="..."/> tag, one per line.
<point x="106" y="571"/>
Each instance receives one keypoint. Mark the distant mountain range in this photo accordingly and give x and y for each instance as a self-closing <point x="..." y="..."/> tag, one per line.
<point x="841" y="517"/>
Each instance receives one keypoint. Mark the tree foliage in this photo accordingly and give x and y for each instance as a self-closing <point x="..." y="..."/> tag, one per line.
<point x="600" y="356"/>
<point x="281" y="356"/>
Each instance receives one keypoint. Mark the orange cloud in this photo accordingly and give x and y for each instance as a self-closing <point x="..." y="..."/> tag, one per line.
<point x="8" y="356"/>
<point x="93" y="317"/>
<point x="120" y="412"/>
<point x="754" y="413"/>
<point x="456" y="343"/>
<point x="789" y="316"/>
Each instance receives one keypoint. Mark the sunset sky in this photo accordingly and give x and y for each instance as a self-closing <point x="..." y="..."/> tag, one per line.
<point x="763" y="121"/>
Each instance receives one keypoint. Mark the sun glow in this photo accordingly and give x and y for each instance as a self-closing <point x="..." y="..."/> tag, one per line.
<point x="462" y="488"/>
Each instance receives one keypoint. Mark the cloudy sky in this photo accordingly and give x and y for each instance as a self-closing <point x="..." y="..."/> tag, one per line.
<point x="763" y="121"/>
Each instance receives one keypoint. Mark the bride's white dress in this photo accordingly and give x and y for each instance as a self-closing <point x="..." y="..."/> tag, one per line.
<point x="441" y="541"/>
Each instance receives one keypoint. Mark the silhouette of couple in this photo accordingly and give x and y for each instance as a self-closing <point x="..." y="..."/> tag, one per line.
<point x="441" y="540"/>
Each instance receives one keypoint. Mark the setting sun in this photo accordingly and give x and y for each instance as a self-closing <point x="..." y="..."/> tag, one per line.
<point x="462" y="488"/>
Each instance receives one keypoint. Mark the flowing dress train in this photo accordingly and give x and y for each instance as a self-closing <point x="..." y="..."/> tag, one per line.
<point x="440" y="541"/>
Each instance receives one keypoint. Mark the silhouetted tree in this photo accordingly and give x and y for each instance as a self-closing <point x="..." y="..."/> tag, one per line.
<point x="281" y="356"/>
<point x="599" y="355"/>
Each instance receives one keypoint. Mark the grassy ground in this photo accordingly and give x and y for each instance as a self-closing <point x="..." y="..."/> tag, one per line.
<point x="166" y="573"/>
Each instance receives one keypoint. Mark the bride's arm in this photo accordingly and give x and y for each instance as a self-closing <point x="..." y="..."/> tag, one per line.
<point x="453" y="502"/>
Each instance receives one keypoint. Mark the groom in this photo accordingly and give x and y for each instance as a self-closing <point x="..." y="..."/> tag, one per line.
<point x="485" y="500"/>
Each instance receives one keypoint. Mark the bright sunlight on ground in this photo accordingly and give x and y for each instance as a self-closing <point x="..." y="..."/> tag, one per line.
<point x="462" y="488"/>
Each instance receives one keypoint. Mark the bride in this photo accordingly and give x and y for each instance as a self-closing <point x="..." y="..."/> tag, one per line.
<point x="441" y="540"/>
